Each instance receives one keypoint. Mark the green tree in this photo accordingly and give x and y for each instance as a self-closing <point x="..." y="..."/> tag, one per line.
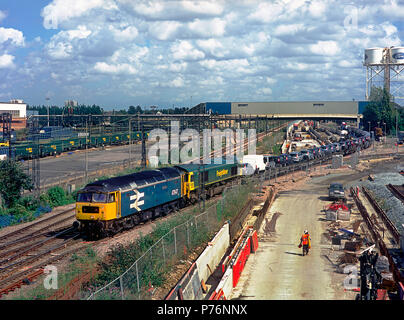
<point x="13" y="181"/>
<point x="381" y="109"/>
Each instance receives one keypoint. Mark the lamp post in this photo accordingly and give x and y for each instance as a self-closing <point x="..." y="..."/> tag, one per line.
<point x="369" y="127"/>
<point x="396" y="129"/>
<point x="47" y="102"/>
<point x="130" y="143"/>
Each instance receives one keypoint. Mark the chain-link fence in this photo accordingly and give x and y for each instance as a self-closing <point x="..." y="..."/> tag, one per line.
<point x="140" y="280"/>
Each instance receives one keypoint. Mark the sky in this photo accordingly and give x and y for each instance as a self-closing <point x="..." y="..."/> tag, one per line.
<point x="117" y="53"/>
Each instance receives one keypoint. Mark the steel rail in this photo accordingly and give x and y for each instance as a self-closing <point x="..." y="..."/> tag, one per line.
<point x="32" y="247"/>
<point x="10" y="234"/>
<point x="390" y="225"/>
<point x="397" y="192"/>
<point x="376" y="236"/>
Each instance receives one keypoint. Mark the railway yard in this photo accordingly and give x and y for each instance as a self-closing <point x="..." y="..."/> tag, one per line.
<point x="291" y="195"/>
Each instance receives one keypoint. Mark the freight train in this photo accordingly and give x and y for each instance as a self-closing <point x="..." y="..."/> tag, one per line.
<point x="106" y="207"/>
<point x="52" y="147"/>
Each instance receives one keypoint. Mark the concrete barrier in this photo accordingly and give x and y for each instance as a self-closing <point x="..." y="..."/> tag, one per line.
<point x="224" y="288"/>
<point x="210" y="258"/>
<point x="188" y="288"/>
<point x="190" y="285"/>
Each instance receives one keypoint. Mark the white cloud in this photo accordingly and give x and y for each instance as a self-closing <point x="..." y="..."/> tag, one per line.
<point x="174" y="10"/>
<point x="328" y="48"/>
<point x="184" y="50"/>
<point x="118" y="69"/>
<point x="2" y="15"/>
<point x="288" y="29"/>
<point x="233" y="65"/>
<point x="212" y="46"/>
<point x="15" y="37"/>
<point x="6" y="61"/>
<point x="266" y="12"/>
<point x="80" y="33"/>
<point x="270" y="80"/>
<point x="59" y="50"/>
<point x="317" y="8"/>
<point x="59" y="11"/>
<point x="208" y="28"/>
<point x="126" y="34"/>
<point x="216" y="49"/>
<point x="177" y="82"/>
<point x="164" y="30"/>
<point x="265" y="91"/>
<point x="178" y="67"/>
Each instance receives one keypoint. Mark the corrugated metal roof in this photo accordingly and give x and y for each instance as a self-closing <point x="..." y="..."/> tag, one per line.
<point x="134" y="180"/>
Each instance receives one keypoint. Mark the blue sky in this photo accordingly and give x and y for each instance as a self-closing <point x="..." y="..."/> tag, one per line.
<point x="117" y="53"/>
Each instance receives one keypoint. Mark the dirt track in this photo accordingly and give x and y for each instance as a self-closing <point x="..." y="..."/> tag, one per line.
<point x="278" y="271"/>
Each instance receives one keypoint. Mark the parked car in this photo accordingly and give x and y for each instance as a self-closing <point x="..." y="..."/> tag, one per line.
<point x="313" y="152"/>
<point x="325" y="150"/>
<point x="306" y="155"/>
<point x="270" y="161"/>
<point x="296" y="156"/>
<point x="285" y="159"/>
<point x="336" y="191"/>
<point x="320" y="152"/>
<point x="255" y="160"/>
<point x="336" y="147"/>
<point x="278" y="161"/>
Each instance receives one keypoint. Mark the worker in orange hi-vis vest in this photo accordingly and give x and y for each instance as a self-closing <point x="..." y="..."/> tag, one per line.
<point x="305" y="241"/>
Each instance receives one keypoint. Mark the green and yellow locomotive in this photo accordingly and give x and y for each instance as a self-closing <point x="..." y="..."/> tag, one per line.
<point x="108" y="206"/>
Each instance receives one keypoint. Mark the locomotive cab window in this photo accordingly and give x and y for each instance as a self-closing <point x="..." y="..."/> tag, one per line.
<point x="111" y="197"/>
<point x="99" y="197"/>
<point x="91" y="197"/>
<point x="233" y="171"/>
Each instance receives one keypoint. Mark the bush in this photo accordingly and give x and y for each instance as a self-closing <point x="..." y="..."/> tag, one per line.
<point x="29" y="202"/>
<point x="20" y="214"/>
<point x="56" y="196"/>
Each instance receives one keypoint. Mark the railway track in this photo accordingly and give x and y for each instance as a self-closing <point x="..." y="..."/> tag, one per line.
<point x="26" y="263"/>
<point x="20" y="249"/>
<point x="23" y="247"/>
<point x="374" y="226"/>
<point x="19" y="265"/>
<point x="33" y="229"/>
<point x="398" y="191"/>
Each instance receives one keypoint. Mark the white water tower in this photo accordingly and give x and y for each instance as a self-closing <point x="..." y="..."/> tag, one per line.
<point x="384" y="68"/>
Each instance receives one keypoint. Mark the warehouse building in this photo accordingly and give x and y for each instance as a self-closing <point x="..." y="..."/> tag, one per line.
<point x="313" y="110"/>
<point x="287" y="108"/>
<point x="18" y="110"/>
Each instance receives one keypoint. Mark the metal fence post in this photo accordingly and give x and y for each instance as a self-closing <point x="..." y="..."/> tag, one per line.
<point x="188" y="234"/>
<point x="120" y="282"/>
<point x="175" y="241"/>
<point x="137" y="278"/>
<point x="164" y="252"/>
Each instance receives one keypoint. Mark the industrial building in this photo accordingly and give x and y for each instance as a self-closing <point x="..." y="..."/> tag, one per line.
<point x="18" y="110"/>
<point x="332" y="110"/>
